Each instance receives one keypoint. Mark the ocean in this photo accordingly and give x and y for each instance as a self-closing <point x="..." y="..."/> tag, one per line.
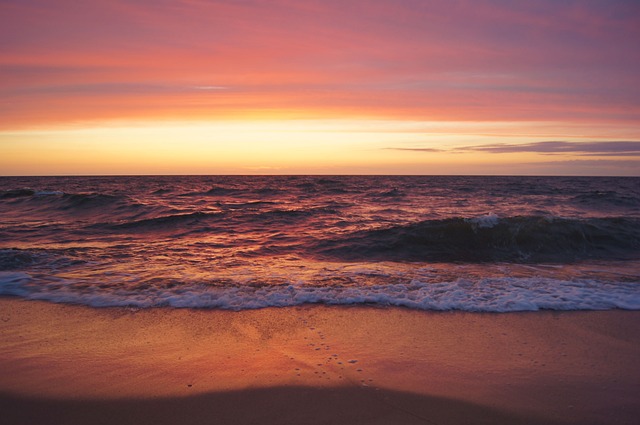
<point x="486" y="244"/>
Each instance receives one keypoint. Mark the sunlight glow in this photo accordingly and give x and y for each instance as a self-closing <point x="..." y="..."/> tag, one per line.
<point x="271" y="147"/>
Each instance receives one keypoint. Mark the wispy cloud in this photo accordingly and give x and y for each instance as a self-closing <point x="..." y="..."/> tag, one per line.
<point x="416" y="149"/>
<point x="210" y="88"/>
<point x="606" y="148"/>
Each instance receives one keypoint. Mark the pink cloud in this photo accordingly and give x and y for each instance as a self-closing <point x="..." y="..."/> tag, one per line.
<point x="548" y="60"/>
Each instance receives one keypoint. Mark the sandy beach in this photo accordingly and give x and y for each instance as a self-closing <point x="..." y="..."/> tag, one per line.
<point x="315" y="364"/>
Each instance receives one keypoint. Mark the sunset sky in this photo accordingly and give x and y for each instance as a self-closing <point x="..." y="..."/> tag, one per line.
<point x="320" y="87"/>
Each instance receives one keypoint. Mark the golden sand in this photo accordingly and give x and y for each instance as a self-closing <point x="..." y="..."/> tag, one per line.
<point x="316" y="364"/>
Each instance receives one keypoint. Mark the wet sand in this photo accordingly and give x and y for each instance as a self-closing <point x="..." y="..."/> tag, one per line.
<point x="315" y="364"/>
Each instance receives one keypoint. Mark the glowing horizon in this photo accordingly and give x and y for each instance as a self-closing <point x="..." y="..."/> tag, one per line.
<point x="255" y="87"/>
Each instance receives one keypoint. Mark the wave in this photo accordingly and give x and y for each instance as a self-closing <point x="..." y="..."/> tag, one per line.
<point x="14" y="259"/>
<point x="54" y="205"/>
<point x="489" y="238"/>
<point x="24" y="193"/>
<point x="291" y="215"/>
<point x="250" y="205"/>
<point x="161" y="191"/>
<point x="393" y="193"/>
<point x="242" y="216"/>
<point x="166" y="221"/>
<point x="214" y="191"/>
<point x="16" y="193"/>
<point x="268" y="191"/>
<point x="327" y="186"/>
<point x="606" y="198"/>
<point x="484" y="295"/>
<point x="63" y="199"/>
<point x="91" y="200"/>
<point x="19" y="259"/>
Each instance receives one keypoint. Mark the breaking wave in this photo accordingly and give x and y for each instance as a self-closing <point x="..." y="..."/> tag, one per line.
<point x="485" y="295"/>
<point x="163" y="222"/>
<point x="235" y="242"/>
<point x="489" y="238"/>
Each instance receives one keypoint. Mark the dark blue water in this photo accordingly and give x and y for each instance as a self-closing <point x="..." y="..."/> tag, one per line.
<point x="238" y="242"/>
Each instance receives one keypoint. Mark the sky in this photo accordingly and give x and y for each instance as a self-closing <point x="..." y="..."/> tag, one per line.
<point x="545" y="87"/>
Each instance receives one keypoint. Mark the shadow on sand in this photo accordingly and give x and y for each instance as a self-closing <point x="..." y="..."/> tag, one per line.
<point x="283" y="405"/>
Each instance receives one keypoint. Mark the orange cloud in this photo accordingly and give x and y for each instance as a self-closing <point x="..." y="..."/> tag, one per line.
<point x="64" y="63"/>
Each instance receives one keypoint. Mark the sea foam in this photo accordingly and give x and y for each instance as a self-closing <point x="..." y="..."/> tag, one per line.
<point x="482" y="295"/>
<point x="486" y="221"/>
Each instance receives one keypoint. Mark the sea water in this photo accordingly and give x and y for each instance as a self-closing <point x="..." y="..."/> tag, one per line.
<point x="493" y="244"/>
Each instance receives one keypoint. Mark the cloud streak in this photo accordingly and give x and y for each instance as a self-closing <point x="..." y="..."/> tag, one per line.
<point x="600" y="149"/>
<point x="432" y="150"/>
<point x="606" y="148"/>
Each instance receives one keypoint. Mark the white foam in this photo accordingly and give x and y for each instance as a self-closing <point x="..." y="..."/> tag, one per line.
<point x="502" y="294"/>
<point x="485" y="221"/>
<point x="14" y="283"/>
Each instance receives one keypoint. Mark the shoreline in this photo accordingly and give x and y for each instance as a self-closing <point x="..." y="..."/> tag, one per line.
<point x="67" y="362"/>
<point x="280" y="405"/>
